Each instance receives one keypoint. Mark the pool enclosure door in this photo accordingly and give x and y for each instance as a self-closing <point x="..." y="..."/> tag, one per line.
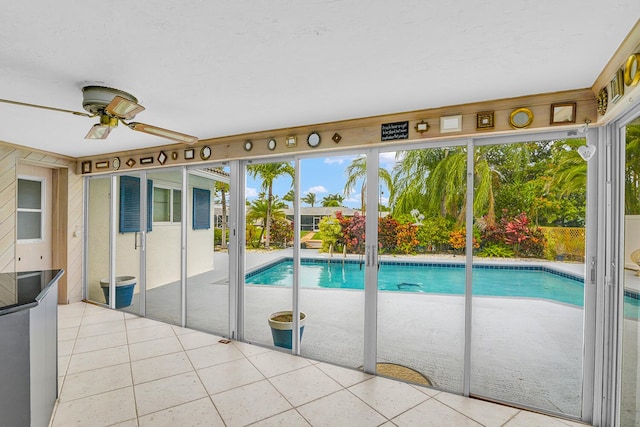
<point x="524" y="201"/>
<point x="626" y="300"/>
<point x="266" y="231"/>
<point x="151" y="245"/>
<point x="116" y="226"/>
<point x="163" y="300"/>
<point x="528" y="305"/>
<point x="420" y="328"/>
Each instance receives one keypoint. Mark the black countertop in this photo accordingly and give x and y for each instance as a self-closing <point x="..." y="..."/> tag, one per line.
<point x="21" y="291"/>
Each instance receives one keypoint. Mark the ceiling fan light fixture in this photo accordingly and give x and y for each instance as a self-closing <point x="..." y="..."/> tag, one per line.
<point x="123" y="108"/>
<point x="164" y="133"/>
<point x="98" y="131"/>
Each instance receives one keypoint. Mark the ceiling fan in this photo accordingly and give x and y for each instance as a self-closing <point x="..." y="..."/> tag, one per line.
<point x="112" y="106"/>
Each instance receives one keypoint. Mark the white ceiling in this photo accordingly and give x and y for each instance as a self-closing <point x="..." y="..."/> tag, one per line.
<point x="217" y="68"/>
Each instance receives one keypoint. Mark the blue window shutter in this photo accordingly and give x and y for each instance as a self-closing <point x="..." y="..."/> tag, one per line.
<point x="130" y="204"/>
<point x="149" y="205"/>
<point x="201" y="209"/>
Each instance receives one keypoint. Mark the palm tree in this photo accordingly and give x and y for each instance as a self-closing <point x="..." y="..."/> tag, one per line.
<point x="261" y="210"/>
<point x="570" y="172"/>
<point x="632" y="171"/>
<point x="357" y="172"/>
<point x="269" y="172"/>
<point x="410" y="179"/>
<point x="289" y="197"/>
<point x="434" y="181"/>
<point x="223" y="188"/>
<point x="309" y="199"/>
<point x="332" y="200"/>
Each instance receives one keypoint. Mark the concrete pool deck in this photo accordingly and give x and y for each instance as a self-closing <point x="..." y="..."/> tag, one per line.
<point x="526" y="351"/>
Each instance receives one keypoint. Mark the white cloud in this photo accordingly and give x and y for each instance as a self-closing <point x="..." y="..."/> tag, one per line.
<point x="388" y="160"/>
<point x="353" y="197"/>
<point x="339" y="160"/>
<point x="250" y="192"/>
<point x="316" y="189"/>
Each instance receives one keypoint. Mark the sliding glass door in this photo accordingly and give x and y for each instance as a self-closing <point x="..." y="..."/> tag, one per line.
<point x="267" y="254"/>
<point x="137" y="223"/>
<point x="133" y="220"/>
<point x="528" y="287"/>
<point x="421" y="277"/>
<point x="207" y="286"/>
<point x="163" y="247"/>
<point x="333" y="213"/>
<point x="630" y="292"/>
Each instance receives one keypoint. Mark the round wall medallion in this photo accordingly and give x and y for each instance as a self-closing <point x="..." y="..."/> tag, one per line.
<point x="271" y="144"/>
<point x="248" y="145"/>
<point x="602" y="101"/>
<point x="632" y="70"/>
<point x="116" y="163"/>
<point x="521" y="118"/>
<point x="313" y="139"/>
<point x="205" y="152"/>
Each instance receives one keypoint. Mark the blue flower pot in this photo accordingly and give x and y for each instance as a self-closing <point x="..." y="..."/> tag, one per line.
<point x="124" y="290"/>
<point x="282" y="331"/>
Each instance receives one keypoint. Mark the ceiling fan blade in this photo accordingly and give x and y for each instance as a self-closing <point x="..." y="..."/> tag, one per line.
<point x="44" y="107"/>
<point x="123" y="108"/>
<point x="98" y="131"/>
<point x="163" y="133"/>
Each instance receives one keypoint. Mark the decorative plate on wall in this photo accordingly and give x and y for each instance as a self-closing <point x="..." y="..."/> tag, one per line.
<point x="205" y="152"/>
<point x="632" y="70"/>
<point x="313" y="139"/>
<point x="248" y="145"/>
<point x="602" y="101"/>
<point x="521" y="118"/>
<point x="271" y="144"/>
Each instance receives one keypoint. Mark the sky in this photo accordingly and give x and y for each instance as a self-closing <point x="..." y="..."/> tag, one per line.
<point x="323" y="176"/>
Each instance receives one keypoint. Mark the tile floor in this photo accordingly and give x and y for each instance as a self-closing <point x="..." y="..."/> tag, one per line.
<point x="118" y="369"/>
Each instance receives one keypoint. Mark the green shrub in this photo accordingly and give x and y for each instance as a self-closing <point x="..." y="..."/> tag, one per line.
<point x="496" y="250"/>
<point x="434" y="232"/>
<point x="330" y="233"/>
<point x="217" y="236"/>
<point x="281" y="232"/>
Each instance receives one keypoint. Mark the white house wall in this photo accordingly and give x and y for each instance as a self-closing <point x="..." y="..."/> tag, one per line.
<point x="163" y="242"/>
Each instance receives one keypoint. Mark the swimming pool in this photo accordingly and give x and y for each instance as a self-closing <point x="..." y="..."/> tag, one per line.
<point x="434" y="278"/>
<point x="524" y="281"/>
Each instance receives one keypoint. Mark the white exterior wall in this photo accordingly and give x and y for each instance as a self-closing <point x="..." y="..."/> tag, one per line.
<point x="163" y="242"/>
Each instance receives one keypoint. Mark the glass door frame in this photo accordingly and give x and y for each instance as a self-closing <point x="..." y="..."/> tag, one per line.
<point x="235" y="186"/>
<point x="591" y="340"/>
<point x="613" y="143"/>
<point x="113" y="229"/>
<point x="592" y="286"/>
<point x="594" y="253"/>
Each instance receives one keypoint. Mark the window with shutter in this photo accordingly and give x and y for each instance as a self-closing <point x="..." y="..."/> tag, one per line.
<point x="201" y="209"/>
<point x="130" y="204"/>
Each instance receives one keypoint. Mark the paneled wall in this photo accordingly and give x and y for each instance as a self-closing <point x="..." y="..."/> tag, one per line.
<point x="68" y="226"/>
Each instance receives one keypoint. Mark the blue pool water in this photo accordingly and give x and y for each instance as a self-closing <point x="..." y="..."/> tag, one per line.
<point x="439" y="278"/>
